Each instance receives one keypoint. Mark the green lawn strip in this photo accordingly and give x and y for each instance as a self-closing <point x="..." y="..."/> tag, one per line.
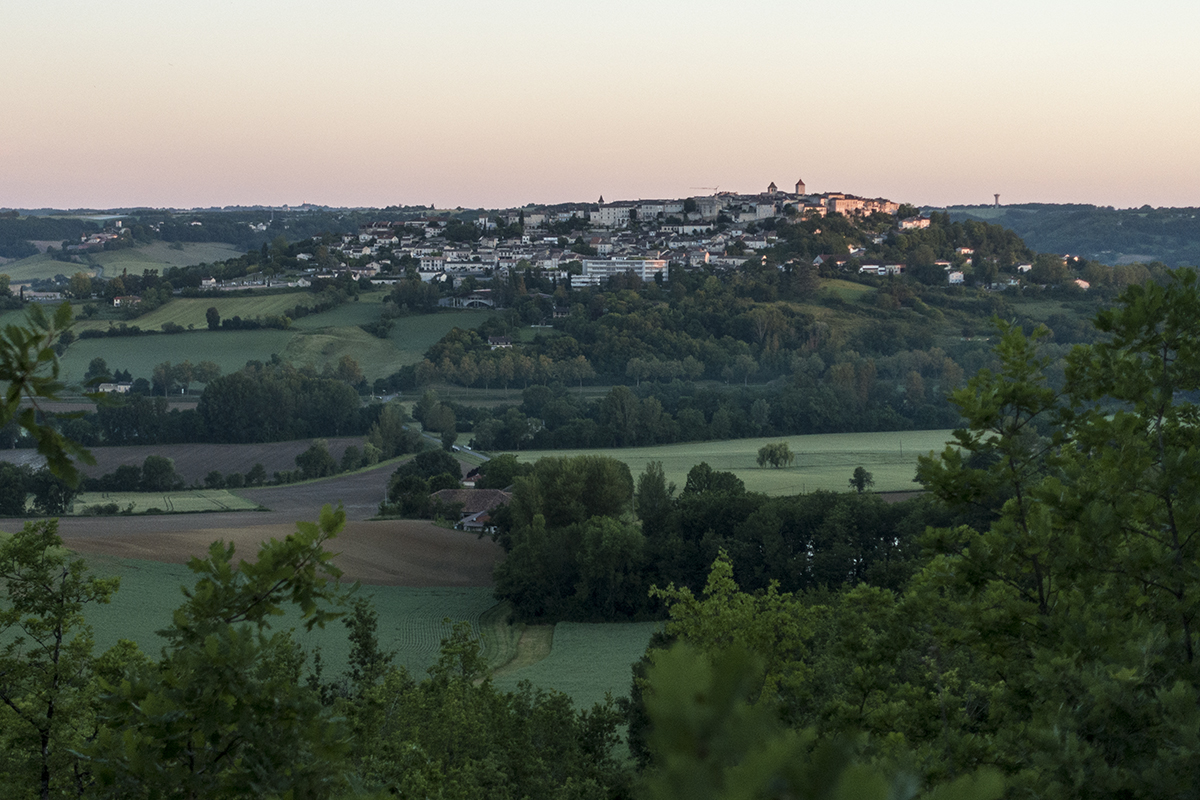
<point x="376" y="357"/>
<point x="587" y="660"/>
<point x="181" y="502"/>
<point x="822" y="461"/>
<point x="156" y="255"/>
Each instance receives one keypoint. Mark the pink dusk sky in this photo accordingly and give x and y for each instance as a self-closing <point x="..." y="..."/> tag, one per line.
<point x="502" y="103"/>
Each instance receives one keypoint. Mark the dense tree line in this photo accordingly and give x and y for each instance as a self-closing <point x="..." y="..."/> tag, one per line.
<point x="1049" y="631"/>
<point x="262" y="402"/>
<point x="581" y="543"/>
<point x="17" y="234"/>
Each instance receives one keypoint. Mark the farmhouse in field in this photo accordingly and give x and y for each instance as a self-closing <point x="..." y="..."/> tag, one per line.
<point x="475" y="505"/>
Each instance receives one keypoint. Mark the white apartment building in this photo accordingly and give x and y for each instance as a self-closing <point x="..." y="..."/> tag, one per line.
<point x="596" y="270"/>
<point x="613" y="215"/>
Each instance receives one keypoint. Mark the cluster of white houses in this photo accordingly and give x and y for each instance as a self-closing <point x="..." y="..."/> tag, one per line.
<point x="643" y="237"/>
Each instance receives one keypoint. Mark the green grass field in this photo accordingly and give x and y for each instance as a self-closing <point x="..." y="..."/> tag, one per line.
<point x="317" y="339"/>
<point x="823" y="461"/>
<point x="587" y="661"/>
<point x="410" y="620"/>
<point x="187" y="311"/>
<point x="847" y="290"/>
<point x="41" y="266"/>
<point x="172" y="502"/>
<point x="139" y="354"/>
<point x="413" y="335"/>
<point x="156" y="255"/>
<point x="160" y="255"/>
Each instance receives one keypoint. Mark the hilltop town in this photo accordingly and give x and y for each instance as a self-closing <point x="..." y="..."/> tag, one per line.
<point x="592" y="242"/>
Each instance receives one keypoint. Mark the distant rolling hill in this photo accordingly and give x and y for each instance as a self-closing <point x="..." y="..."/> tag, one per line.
<point x="1104" y="234"/>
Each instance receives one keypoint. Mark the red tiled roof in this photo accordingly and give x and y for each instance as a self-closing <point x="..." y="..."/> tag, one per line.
<point x="474" y="500"/>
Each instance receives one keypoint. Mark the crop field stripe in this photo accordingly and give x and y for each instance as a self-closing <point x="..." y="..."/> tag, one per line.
<point x="173" y="502"/>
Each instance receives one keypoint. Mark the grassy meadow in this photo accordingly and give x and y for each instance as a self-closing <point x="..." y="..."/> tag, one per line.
<point x="846" y="290"/>
<point x="823" y="461"/>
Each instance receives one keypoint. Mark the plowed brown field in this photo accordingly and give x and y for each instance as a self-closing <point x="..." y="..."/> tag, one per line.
<point x="392" y="552"/>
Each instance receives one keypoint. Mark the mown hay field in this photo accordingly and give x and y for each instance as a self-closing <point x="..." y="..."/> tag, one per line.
<point x="182" y="502"/>
<point x="823" y="461"/>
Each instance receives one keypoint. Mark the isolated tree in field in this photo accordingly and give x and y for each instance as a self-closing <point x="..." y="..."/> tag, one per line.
<point x="13" y="489"/>
<point x="861" y="480"/>
<point x="158" y="474"/>
<point x="213" y="318"/>
<point x="389" y="435"/>
<point x="98" y="369"/>
<point x="257" y="475"/>
<point x="777" y="454"/>
<point x="51" y="494"/>
<point x="316" y="461"/>
<point x="348" y="371"/>
<point x="183" y="374"/>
